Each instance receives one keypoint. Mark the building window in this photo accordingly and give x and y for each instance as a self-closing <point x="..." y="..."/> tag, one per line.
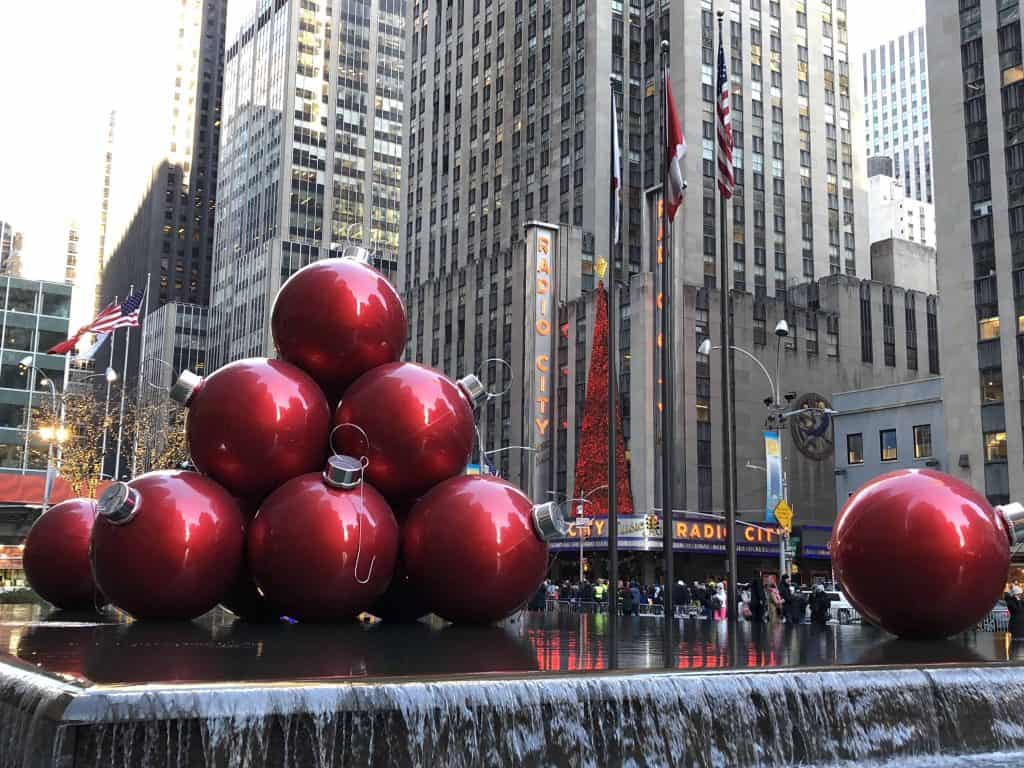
<point x="988" y="328"/>
<point x="855" y="449"/>
<point x="923" y="441"/>
<point x="991" y="386"/>
<point x="887" y="443"/>
<point x="995" y="446"/>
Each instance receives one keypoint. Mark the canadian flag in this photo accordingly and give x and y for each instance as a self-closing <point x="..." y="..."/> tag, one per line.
<point x="675" y="151"/>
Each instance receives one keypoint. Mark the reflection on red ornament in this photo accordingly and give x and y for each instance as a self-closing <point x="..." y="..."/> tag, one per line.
<point x="56" y="555"/>
<point x="254" y="424"/>
<point x="418" y="427"/>
<point x="920" y="553"/>
<point x="167" y="545"/>
<point x="323" y="546"/>
<point x="337" y="319"/>
<point x="475" y="547"/>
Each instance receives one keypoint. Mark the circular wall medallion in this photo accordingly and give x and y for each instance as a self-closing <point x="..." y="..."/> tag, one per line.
<point x="812" y="430"/>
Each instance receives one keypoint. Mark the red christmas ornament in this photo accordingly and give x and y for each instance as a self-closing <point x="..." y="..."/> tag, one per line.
<point x="254" y="424"/>
<point x="167" y="545"/>
<point x="906" y="532"/>
<point x="592" y="459"/>
<point x="323" y="547"/>
<point x="476" y="547"/>
<point x="56" y="555"/>
<point x="336" y="320"/>
<point x="419" y="424"/>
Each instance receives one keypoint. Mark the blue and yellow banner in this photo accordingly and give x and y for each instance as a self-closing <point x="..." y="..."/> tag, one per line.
<point x="773" y="467"/>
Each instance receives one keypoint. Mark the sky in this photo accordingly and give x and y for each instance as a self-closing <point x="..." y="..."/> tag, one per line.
<point x="60" y="81"/>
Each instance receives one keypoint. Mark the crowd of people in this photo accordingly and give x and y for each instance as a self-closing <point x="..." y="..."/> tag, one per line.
<point x="758" y="600"/>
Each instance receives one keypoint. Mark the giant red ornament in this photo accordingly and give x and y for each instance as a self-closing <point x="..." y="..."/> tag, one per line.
<point x="419" y="424"/>
<point x="254" y="424"/>
<point x="921" y="553"/>
<point x="337" y="319"/>
<point x="56" y="555"/>
<point x="323" y="546"/>
<point x="476" y="547"/>
<point x="167" y="545"/>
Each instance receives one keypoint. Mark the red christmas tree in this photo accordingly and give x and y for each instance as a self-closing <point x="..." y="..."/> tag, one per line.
<point x="592" y="457"/>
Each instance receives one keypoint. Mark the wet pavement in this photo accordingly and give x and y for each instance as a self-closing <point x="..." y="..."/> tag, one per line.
<point x="94" y="649"/>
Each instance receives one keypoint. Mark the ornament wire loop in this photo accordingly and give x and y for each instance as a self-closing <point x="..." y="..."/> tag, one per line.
<point x="364" y="462"/>
<point x="511" y="377"/>
<point x="334" y="451"/>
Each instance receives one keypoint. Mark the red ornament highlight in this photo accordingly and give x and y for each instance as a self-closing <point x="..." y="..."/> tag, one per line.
<point x="418" y="427"/>
<point x="592" y="457"/>
<point x="920" y="553"/>
<point x="475" y="546"/>
<point x="56" y="555"/>
<point x="254" y="424"/>
<point x="337" y="319"/>
<point x="323" y="546"/>
<point x="167" y="545"/>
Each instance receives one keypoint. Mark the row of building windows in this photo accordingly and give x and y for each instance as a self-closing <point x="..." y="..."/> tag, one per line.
<point x="888" y="448"/>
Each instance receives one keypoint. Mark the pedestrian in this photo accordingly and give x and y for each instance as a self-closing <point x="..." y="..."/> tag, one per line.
<point x="775" y="600"/>
<point x="797" y="608"/>
<point x="786" y="593"/>
<point x="539" y="599"/>
<point x="626" y="597"/>
<point x="680" y="597"/>
<point x="821" y="605"/>
<point x="636" y="597"/>
<point x="600" y="593"/>
<point x="758" y="599"/>
<point x="721" y="603"/>
<point x="1015" y="605"/>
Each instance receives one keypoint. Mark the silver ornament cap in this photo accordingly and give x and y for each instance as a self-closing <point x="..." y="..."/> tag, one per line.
<point x="473" y="389"/>
<point x="549" y="522"/>
<point x="358" y="253"/>
<point x="1013" y="514"/>
<point x="185" y="387"/>
<point x="119" y="504"/>
<point x="344" y="472"/>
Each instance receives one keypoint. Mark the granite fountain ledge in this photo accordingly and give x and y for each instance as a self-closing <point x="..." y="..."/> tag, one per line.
<point x="749" y="718"/>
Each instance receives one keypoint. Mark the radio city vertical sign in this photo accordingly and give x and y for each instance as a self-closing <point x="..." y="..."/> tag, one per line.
<point x="540" y="305"/>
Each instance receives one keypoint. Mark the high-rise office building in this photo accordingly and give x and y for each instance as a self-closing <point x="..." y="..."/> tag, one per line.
<point x="897" y="120"/>
<point x="311" y="154"/>
<point x="108" y="168"/>
<point x="11" y="243"/>
<point x="170" y="236"/>
<point x="509" y="120"/>
<point x="977" y="98"/>
<point x="71" y="253"/>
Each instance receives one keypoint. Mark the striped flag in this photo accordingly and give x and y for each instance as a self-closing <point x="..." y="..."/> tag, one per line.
<point x="675" y="151"/>
<point x="726" y="180"/>
<point x="616" y="170"/>
<point x="123" y="315"/>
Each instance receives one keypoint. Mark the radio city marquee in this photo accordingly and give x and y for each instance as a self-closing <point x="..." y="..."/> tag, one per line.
<point x="643" y="532"/>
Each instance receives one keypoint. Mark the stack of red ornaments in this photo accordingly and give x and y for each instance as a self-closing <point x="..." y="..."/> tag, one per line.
<point x="302" y="464"/>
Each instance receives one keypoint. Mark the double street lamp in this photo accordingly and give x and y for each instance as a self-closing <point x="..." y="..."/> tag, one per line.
<point x="777" y="414"/>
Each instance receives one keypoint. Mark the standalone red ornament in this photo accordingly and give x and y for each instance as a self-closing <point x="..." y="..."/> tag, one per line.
<point x="254" y="424"/>
<point x="56" y="555"/>
<point x="167" y="545"/>
<point x="323" y="546"/>
<point x="476" y="547"/>
<point x="592" y="461"/>
<point x="336" y="320"/>
<point x="921" y="553"/>
<point x="419" y="424"/>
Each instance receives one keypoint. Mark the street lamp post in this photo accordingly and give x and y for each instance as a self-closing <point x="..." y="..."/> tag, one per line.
<point x="50" y="434"/>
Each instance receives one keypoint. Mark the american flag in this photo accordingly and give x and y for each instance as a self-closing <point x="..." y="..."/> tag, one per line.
<point x="726" y="180"/>
<point x="123" y="315"/>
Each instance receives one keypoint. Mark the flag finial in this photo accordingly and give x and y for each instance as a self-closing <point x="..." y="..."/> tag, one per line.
<point x="601" y="267"/>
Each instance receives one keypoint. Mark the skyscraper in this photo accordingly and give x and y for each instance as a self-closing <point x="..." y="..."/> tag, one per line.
<point x="509" y="120"/>
<point x="10" y="250"/>
<point x="311" y="154"/>
<point x="897" y="120"/>
<point x="170" y="237"/>
<point x="71" y="253"/>
<point x="977" y="98"/>
<point x="101" y="253"/>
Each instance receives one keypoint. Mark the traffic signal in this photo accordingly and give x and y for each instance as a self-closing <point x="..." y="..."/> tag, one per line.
<point x="652" y="522"/>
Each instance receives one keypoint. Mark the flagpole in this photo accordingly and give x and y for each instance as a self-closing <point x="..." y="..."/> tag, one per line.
<point x="728" y="418"/>
<point x="667" y="371"/>
<point x="613" y="508"/>
<point x="142" y="363"/>
<point x="124" y="385"/>
<point x="106" y="406"/>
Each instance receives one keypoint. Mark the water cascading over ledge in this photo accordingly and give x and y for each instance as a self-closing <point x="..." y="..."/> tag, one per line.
<point x="728" y="719"/>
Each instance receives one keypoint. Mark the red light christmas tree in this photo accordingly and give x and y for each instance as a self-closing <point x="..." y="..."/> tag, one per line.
<point x="592" y="457"/>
